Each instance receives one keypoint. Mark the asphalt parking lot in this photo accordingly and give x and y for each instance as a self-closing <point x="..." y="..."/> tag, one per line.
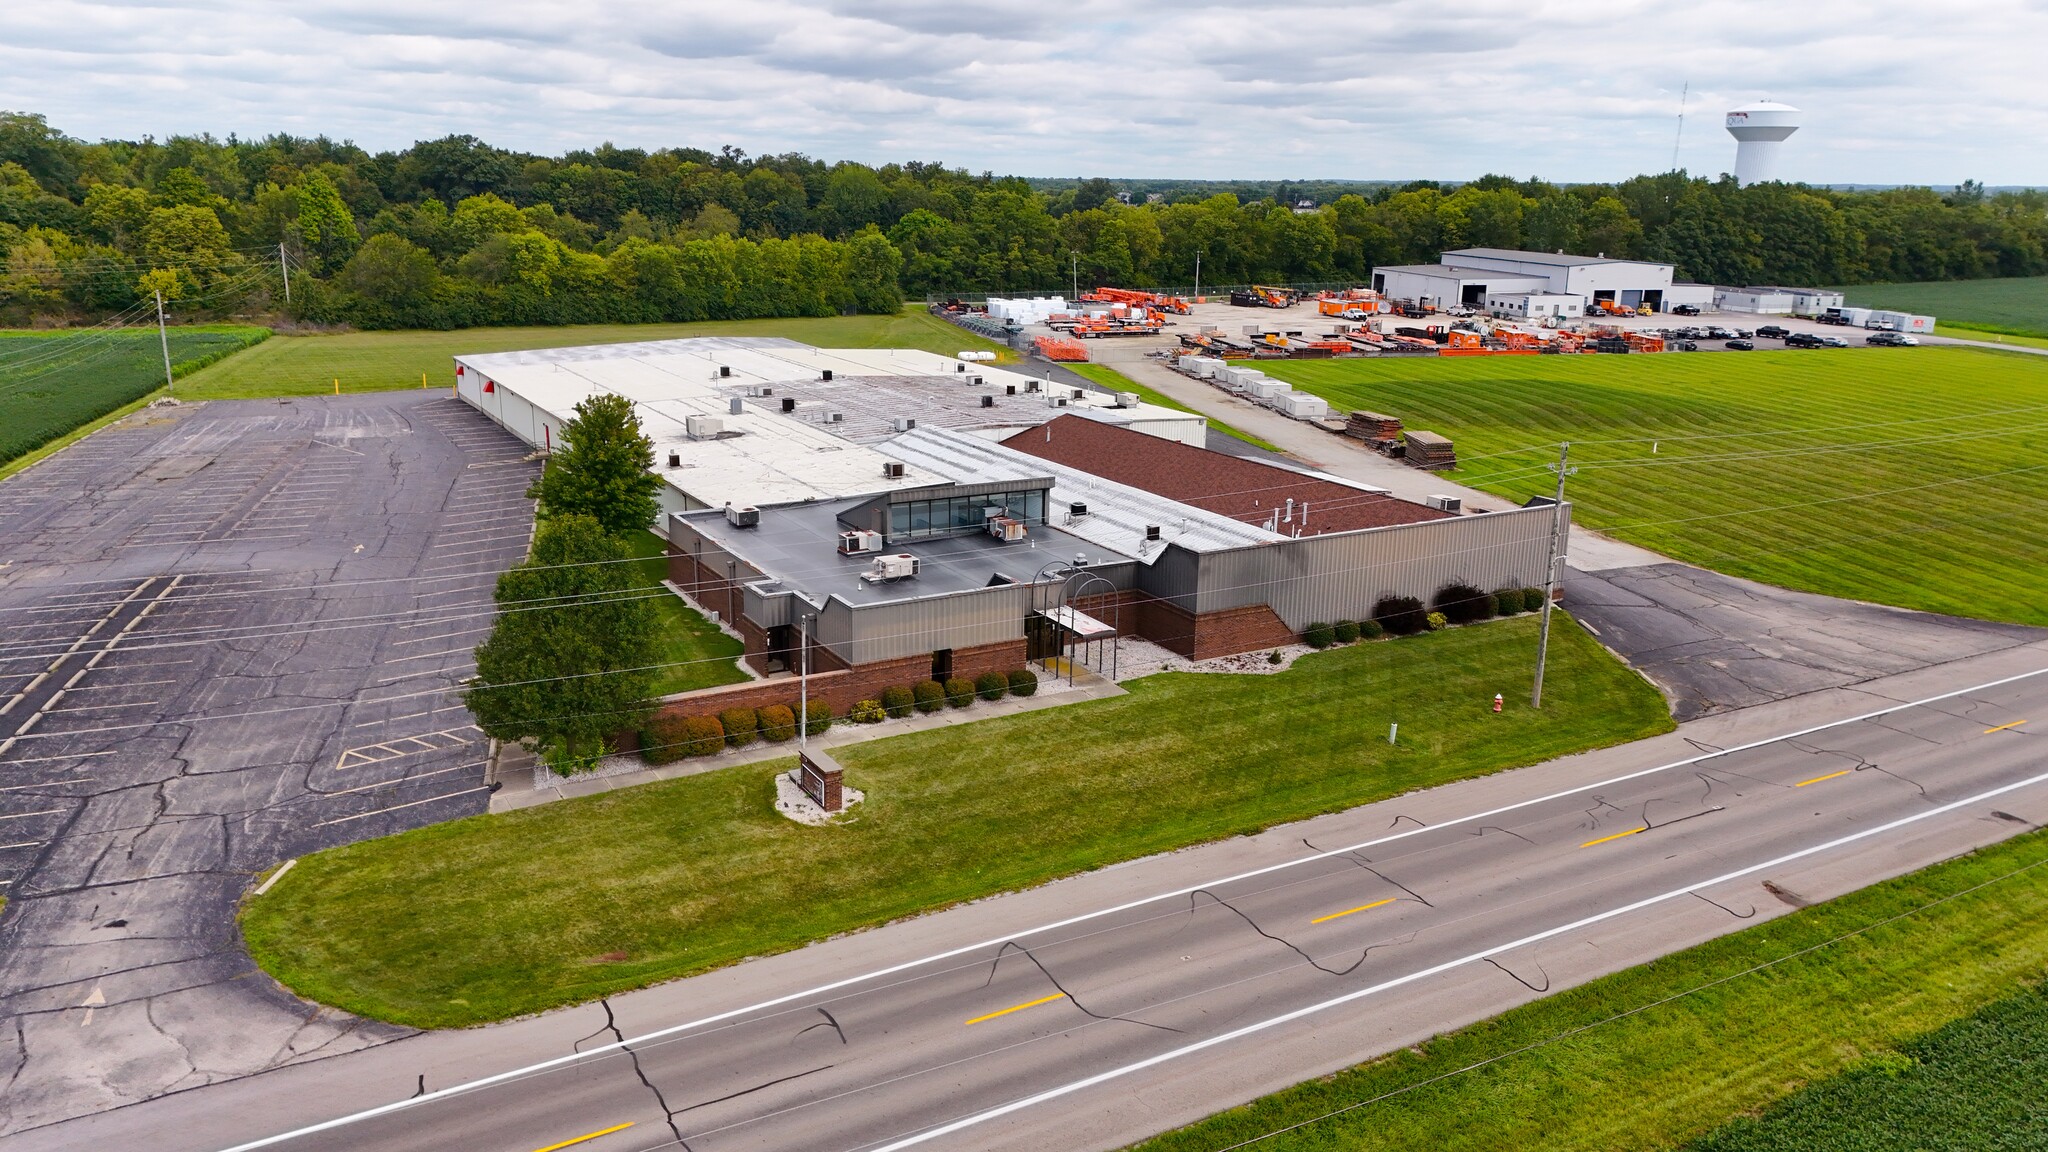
<point x="230" y="634"/>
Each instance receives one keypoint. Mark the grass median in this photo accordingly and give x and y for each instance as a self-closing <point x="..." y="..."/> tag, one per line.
<point x="385" y="361"/>
<point x="1907" y="476"/>
<point x="1655" y="1056"/>
<point x="495" y="916"/>
<point x="694" y="653"/>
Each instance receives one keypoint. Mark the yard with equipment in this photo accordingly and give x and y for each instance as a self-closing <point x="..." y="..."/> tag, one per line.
<point x="1111" y="378"/>
<point x="52" y="382"/>
<point x="488" y="918"/>
<point x="1655" y="1056"/>
<point x="1911" y="477"/>
<point x="380" y="361"/>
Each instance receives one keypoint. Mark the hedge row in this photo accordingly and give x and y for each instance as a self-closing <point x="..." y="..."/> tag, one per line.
<point x="1454" y="603"/>
<point x="928" y="696"/>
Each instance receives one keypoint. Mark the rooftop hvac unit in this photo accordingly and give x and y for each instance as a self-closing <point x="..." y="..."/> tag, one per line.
<point x="855" y="543"/>
<point x="789" y="403"/>
<point x="675" y="459"/>
<point x="903" y="423"/>
<point x="724" y="370"/>
<point x="959" y="367"/>
<point x="1056" y="401"/>
<point x="835" y="417"/>
<point x="892" y="470"/>
<point x="703" y="428"/>
<point x="1077" y="508"/>
<point x="1008" y="529"/>
<point x="1151" y="531"/>
<point x="1009" y="389"/>
<point x="1127" y="399"/>
<point x="974" y="380"/>
<point x="743" y="515"/>
<point x="826" y="375"/>
<point x="737" y="406"/>
<point x="1031" y="385"/>
<point x="759" y="390"/>
<point x="889" y="569"/>
<point x="1444" y="503"/>
<point x="988" y="401"/>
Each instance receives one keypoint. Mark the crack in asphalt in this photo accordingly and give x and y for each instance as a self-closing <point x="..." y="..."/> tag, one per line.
<point x="611" y="1024"/>
<point x="1009" y="945"/>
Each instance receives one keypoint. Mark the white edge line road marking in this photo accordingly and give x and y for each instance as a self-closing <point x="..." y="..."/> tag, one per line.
<point x="1439" y="969"/>
<point x="810" y="993"/>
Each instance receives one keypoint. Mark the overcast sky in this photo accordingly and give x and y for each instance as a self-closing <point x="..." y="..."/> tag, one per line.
<point x="1366" y="89"/>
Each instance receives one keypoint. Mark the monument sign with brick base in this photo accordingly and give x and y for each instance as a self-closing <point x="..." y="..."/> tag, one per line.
<point x="820" y="777"/>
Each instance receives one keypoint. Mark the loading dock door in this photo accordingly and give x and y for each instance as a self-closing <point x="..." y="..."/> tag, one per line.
<point x="1472" y="294"/>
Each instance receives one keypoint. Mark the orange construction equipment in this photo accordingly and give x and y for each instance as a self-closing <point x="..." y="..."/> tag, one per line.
<point x="1054" y="348"/>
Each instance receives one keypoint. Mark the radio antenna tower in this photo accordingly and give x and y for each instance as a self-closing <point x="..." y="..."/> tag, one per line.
<point x="1680" y="138"/>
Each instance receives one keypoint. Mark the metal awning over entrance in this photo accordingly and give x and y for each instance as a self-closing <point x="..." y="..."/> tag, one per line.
<point x="1080" y="624"/>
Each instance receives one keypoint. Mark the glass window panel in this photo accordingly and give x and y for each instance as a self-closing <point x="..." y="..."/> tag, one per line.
<point x="920" y="517"/>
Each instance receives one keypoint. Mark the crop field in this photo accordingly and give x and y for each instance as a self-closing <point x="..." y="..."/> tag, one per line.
<point x="382" y="361"/>
<point x="1916" y="477"/>
<point x="53" y="382"/>
<point x="2017" y="305"/>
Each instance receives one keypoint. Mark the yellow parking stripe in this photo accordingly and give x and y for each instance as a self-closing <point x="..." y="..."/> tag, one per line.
<point x="1829" y="776"/>
<point x="1349" y="911"/>
<point x="591" y="1136"/>
<point x="1005" y="1012"/>
<point x="1605" y="839"/>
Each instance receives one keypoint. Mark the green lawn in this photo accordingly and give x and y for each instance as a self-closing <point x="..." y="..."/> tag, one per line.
<point x="51" y="383"/>
<point x="1658" y="1055"/>
<point x="381" y="361"/>
<point x="696" y="653"/>
<point x="1908" y="476"/>
<point x="494" y="916"/>
<point x="1972" y="1085"/>
<point x="1957" y="333"/>
<point x="1111" y="378"/>
<point x="2018" y="305"/>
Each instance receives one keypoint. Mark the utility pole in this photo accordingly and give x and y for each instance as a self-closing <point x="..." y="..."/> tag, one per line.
<point x="1198" y="273"/>
<point x="164" y="339"/>
<point x="1075" y="259"/>
<point x="284" y="268"/>
<point x="1556" y="558"/>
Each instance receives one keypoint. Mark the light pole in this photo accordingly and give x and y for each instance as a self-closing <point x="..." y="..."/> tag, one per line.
<point x="1198" y="273"/>
<point x="170" y="385"/>
<point x="1564" y="451"/>
<point x="1074" y="260"/>
<point x="803" y="691"/>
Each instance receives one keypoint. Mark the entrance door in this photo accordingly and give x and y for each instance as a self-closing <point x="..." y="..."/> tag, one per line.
<point x="1042" y="638"/>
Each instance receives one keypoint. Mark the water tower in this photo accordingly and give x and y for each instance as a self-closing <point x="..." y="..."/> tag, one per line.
<point x="1759" y="130"/>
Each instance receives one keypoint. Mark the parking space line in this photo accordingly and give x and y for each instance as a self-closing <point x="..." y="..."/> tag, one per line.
<point x="406" y="779"/>
<point x="398" y="807"/>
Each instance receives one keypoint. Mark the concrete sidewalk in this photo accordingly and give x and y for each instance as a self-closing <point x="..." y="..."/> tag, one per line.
<point x="527" y="784"/>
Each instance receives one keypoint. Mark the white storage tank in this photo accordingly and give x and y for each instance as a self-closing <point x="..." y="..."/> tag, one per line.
<point x="1302" y="406"/>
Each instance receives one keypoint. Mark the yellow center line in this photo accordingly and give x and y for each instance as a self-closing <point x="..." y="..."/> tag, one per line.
<point x="591" y="1136"/>
<point x="1605" y="839"/>
<point x="1004" y="1012"/>
<point x="2003" y="727"/>
<point x="1349" y="911"/>
<point x="1829" y="776"/>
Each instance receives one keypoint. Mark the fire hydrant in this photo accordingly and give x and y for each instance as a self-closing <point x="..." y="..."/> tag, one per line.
<point x="1497" y="701"/>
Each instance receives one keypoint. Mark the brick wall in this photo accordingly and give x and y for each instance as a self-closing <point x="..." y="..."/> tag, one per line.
<point x="841" y="688"/>
<point x="1176" y="629"/>
<point x="1236" y="630"/>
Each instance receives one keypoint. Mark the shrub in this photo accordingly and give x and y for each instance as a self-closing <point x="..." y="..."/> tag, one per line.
<point x="1436" y="622"/>
<point x="1346" y="630"/>
<point x="992" y="685"/>
<point x="1319" y="636"/>
<point x="661" y="742"/>
<point x="1023" y="682"/>
<point x="1508" y="602"/>
<point x="867" y="712"/>
<point x="778" y="723"/>
<point x="930" y="695"/>
<point x="702" y="735"/>
<point x="817" y="717"/>
<point x="1532" y="599"/>
<point x="1461" y="603"/>
<point x="741" y="726"/>
<point x="959" y="691"/>
<point x="897" y="701"/>
<point x="1274" y="656"/>
<point x="1400" y="615"/>
<point x="1370" y="630"/>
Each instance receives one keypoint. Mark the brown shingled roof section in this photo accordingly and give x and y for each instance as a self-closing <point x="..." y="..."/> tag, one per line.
<point x="1235" y="487"/>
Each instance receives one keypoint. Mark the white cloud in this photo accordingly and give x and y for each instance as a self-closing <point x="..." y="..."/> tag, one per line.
<point x="1359" y="88"/>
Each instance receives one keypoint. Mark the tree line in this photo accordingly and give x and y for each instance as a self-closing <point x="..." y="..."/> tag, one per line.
<point x="455" y="232"/>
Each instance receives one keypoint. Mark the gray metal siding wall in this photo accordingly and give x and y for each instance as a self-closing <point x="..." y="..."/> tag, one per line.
<point x="1324" y="578"/>
<point x="911" y="627"/>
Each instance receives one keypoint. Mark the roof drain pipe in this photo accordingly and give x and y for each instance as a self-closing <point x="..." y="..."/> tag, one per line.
<point x="1289" y="518"/>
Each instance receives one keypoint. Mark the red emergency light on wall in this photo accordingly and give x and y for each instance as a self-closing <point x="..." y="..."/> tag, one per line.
<point x="490" y="387"/>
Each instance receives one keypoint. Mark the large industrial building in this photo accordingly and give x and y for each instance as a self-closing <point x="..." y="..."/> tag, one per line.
<point x="943" y="525"/>
<point x="1536" y="284"/>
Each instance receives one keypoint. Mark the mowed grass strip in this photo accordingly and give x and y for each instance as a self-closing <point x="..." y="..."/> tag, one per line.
<point x="1111" y="378"/>
<point x="1657" y="1055"/>
<point x="1909" y="476"/>
<point x="384" y="361"/>
<point x="2013" y="304"/>
<point x="695" y="654"/>
<point x="54" y="382"/>
<point x="494" y="916"/>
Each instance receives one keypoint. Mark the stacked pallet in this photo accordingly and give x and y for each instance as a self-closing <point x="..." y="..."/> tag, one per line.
<point x="1371" y="426"/>
<point x="1429" y="451"/>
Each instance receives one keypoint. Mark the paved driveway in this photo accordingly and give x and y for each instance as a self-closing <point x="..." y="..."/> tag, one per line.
<point x="228" y="635"/>
<point x="1715" y="642"/>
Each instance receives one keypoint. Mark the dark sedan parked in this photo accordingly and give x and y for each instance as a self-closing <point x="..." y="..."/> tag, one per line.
<point x="1740" y="345"/>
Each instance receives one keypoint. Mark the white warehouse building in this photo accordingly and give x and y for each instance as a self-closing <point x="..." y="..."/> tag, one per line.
<point x="1474" y="276"/>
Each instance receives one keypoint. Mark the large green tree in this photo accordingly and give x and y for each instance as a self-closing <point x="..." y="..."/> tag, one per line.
<point x="569" y="660"/>
<point x="600" y="469"/>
